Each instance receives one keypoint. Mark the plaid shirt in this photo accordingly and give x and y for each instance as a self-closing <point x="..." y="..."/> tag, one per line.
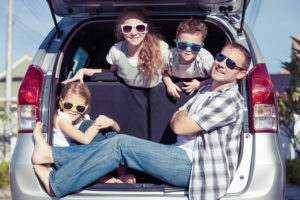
<point x="216" y="148"/>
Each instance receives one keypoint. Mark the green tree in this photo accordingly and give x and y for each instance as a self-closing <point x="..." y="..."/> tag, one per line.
<point x="289" y="101"/>
<point x="5" y="137"/>
<point x="4" y="175"/>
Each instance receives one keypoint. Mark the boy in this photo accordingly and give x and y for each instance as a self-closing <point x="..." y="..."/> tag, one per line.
<point x="189" y="59"/>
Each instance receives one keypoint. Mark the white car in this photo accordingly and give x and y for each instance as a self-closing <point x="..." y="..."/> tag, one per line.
<point x="82" y="38"/>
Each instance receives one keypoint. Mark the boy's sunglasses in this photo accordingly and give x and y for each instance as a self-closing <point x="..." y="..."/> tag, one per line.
<point x="127" y="28"/>
<point x="182" y="46"/>
<point x="229" y="63"/>
<point x="79" y="108"/>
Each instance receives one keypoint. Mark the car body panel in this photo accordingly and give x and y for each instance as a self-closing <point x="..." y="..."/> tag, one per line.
<point x="91" y="7"/>
<point x="261" y="160"/>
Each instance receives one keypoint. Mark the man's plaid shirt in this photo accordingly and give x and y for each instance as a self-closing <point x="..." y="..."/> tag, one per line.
<point x="217" y="147"/>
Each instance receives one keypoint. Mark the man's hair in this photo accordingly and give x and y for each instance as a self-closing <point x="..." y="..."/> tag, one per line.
<point x="192" y="26"/>
<point x="243" y="50"/>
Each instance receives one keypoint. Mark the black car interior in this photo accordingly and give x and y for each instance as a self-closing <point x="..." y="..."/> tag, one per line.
<point x="143" y="113"/>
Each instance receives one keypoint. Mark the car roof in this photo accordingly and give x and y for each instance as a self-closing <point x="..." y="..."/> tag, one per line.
<point x="75" y="8"/>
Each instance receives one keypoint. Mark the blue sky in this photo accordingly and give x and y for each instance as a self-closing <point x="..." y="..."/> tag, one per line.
<point x="272" y="25"/>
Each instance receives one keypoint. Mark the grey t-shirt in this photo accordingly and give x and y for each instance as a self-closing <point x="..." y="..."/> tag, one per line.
<point x="128" y="66"/>
<point x="200" y="67"/>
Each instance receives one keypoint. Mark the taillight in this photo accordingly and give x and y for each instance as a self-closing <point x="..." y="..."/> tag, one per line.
<point x="263" y="103"/>
<point x="29" y="99"/>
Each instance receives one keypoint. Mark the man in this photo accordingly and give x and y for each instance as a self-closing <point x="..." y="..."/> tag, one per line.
<point x="205" y="155"/>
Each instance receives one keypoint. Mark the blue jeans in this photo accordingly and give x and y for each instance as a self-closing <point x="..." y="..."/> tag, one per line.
<point x="99" y="137"/>
<point x="82" y="164"/>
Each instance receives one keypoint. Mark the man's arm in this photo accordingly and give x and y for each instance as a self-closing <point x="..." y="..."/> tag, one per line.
<point x="182" y="124"/>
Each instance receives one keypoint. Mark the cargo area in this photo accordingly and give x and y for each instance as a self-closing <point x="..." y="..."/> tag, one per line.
<point x="143" y="113"/>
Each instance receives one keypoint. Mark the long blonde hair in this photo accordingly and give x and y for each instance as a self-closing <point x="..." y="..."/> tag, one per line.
<point x="150" y="57"/>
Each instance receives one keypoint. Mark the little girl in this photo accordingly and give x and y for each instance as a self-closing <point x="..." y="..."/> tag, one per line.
<point x="71" y="120"/>
<point x="138" y="59"/>
<point x="73" y="126"/>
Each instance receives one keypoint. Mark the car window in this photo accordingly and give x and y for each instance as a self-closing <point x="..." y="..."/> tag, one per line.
<point x="79" y="60"/>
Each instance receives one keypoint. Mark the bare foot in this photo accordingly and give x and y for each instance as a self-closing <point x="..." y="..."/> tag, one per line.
<point x="109" y="179"/>
<point x="42" y="152"/>
<point x="44" y="173"/>
<point x="124" y="175"/>
<point x="127" y="178"/>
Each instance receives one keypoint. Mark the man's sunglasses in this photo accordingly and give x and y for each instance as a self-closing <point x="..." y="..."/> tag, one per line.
<point x="182" y="46"/>
<point x="79" y="108"/>
<point x="127" y="28"/>
<point x="229" y="63"/>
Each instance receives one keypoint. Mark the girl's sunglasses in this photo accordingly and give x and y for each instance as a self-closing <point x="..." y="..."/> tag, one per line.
<point x="182" y="46"/>
<point x="229" y="63"/>
<point x="127" y="28"/>
<point x="79" y="108"/>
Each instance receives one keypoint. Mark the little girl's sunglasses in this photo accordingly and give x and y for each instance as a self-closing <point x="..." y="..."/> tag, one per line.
<point x="229" y="63"/>
<point x="127" y="28"/>
<point x="182" y="46"/>
<point x="79" y="108"/>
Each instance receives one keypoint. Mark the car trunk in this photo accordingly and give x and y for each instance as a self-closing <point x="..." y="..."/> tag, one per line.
<point x="104" y="8"/>
<point x="94" y="36"/>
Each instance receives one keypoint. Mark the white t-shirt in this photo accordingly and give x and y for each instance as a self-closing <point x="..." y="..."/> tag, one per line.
<point x="186" y="71"/>
<point x="186" y="142"/>
<point x="128" y="66"/>
<point x="59" y="137"/>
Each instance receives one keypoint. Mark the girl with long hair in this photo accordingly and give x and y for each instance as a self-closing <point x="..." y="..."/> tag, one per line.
<point x="139" y="58"/>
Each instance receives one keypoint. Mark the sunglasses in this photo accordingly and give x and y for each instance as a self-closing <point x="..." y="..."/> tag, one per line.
<point x="79" y="108"/>
<point x="182" y="46"/>
<point x="127" y="28"/>
<point x="229" y="63"/>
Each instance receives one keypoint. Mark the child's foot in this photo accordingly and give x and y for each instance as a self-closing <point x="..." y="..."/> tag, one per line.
<point x="44" y="173"/>
<point x="124" y="175"/>
<point x="127" y="178"/>
<point x="42" y="152"/>
<point x="109" y="179"/>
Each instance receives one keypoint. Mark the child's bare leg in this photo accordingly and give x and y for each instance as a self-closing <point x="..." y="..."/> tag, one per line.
<point x="44" y="173"/>
<point x="124" y="175"/>
<point x="42" y="153"/>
